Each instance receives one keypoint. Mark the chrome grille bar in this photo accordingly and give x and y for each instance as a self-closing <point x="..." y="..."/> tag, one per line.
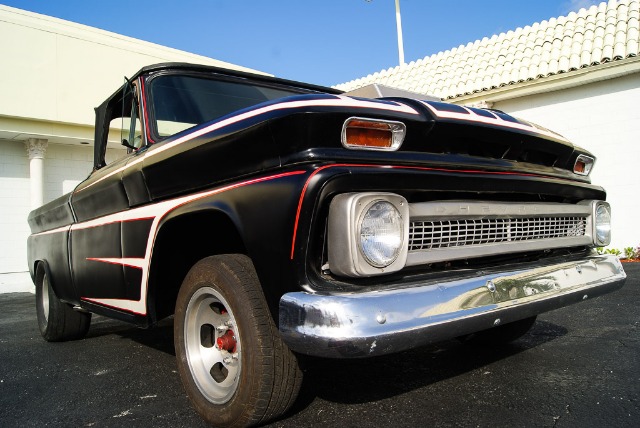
<point x="427" y="235"/>
<point x="451" y="230"/>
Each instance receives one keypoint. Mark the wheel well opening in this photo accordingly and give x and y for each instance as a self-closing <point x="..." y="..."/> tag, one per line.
<point x="39" y="267"/>
<point x="181" y="242"/>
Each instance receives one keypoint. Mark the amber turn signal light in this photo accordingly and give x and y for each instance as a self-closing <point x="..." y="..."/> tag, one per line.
<point x="583" y="165"/>
<point x="372" y="134"/>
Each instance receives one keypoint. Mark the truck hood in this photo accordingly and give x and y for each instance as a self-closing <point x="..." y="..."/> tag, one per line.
<point x="307" y="128"/>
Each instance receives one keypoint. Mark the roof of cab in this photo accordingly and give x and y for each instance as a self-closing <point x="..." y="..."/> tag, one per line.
<point x="182" y="66"/>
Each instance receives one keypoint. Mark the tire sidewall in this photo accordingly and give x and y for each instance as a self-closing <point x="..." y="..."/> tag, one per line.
<point x="233" y="411"/>
<point x="63" y="322"/>
<point x="42" y="281"/>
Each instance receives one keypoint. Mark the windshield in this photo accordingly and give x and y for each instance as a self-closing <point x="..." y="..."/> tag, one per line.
<point x="179" y="102"/>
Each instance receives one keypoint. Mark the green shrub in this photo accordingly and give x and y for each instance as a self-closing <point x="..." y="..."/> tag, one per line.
<point x="632" y="253"/>
<point x="613" y="251"/>
<point x="629" y="252"/>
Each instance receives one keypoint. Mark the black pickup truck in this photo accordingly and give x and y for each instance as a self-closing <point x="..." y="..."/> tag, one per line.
<point x="275" y="219"/>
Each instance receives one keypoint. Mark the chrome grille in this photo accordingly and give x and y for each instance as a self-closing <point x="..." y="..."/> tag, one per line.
<point x="428" y="235"/>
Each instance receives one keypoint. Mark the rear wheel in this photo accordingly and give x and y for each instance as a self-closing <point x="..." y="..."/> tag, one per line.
<point x="501" y="334"/>
<point x="57" y="320"/>
<point x="231" y="359"/>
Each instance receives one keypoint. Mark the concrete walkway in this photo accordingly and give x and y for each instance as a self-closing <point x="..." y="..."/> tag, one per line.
<point x="19" y="282"/>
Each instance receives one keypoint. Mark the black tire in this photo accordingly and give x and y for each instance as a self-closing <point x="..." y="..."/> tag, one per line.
<point x="57" y="320"/>
<point x="253" y="377"/>
<point x="501" y="334"/>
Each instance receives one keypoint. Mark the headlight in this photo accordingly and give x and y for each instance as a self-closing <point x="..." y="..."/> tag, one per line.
<point x="602" y="222"/>
<point x="381" y="234"/>
<point x="367" y="234"/>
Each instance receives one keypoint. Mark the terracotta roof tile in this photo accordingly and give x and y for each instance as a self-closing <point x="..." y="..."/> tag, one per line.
<point x="603" y="33"/>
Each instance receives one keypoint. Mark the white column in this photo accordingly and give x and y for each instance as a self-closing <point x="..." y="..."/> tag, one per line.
<point x="36" y="147"/>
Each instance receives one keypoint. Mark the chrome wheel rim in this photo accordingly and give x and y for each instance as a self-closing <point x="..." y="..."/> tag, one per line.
<point x="45" y="297"/>
<point x="212" y="345"/>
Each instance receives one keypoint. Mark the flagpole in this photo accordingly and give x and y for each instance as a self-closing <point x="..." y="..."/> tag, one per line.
<point x="399" y="27"/>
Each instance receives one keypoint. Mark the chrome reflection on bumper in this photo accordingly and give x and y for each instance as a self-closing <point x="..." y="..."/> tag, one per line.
<point x="380" y="322"/>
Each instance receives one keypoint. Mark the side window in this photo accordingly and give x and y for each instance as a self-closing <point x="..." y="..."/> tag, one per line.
<point x="125" y="128"/>
<point x="135" y="129"/>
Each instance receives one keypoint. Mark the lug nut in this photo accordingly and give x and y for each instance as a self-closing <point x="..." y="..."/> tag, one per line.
<point x="230" y="359"/>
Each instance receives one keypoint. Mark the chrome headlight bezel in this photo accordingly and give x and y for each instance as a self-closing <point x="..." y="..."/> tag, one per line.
<point x="346" y="254"/>
<point x="595" y="228"/>
<point x="601" y="223"/>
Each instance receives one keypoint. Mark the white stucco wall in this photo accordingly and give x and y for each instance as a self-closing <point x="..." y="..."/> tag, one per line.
<point x="56" y="70"/>
<point x="64" y="167"/>
<point x="52" y="75"/>
<point x="601" y="117"/>
<point x="14" y="206"/>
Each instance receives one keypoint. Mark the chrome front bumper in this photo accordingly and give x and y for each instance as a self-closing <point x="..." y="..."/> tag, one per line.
<point x="352" y="325"/>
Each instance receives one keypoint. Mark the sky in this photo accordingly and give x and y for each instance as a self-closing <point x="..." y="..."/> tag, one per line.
<point x="324" y="42"/>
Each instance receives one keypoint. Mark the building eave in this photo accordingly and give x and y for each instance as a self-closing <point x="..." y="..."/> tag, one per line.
<point x="21" y="128"/>
<point x="572" y="79"/>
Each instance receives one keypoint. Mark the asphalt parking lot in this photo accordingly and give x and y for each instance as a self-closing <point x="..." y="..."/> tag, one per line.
<point x="578" y="367"/>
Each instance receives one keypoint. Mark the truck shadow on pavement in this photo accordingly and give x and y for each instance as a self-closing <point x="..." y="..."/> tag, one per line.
<point x="364" y="380"/>
<point x="356" y="381"/>
<point x="159" y="337"/>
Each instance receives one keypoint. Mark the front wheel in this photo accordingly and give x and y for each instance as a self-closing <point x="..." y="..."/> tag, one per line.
<point x="57" y="320"/>
<point x="231" y="359"/>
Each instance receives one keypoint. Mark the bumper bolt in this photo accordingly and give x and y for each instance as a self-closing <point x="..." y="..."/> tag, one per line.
<point x="491" y="286"/>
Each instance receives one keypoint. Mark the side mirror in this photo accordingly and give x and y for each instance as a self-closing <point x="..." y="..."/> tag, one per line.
<point x="125" y="143"/>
